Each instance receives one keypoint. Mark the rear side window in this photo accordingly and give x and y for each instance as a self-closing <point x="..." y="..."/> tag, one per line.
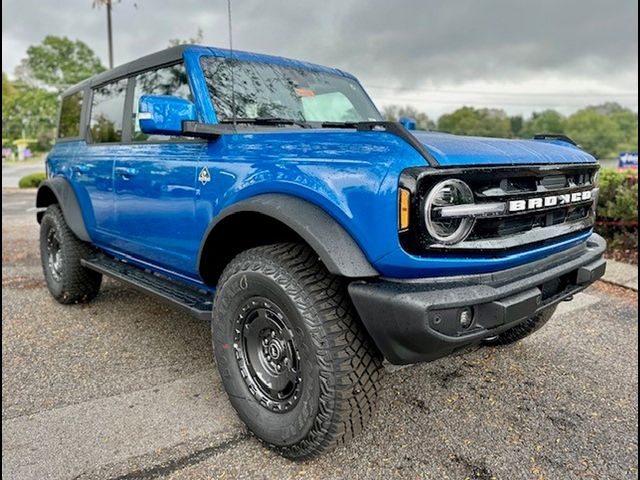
<point x="170" y="80"/>
<point x="70" y="109"/>
<point x="107" y="111"/>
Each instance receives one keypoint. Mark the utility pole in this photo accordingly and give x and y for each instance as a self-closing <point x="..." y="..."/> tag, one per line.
<point x="109" y="35"/>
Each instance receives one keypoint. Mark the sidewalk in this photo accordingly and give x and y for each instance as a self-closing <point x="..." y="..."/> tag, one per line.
<point x="623" y="274"/>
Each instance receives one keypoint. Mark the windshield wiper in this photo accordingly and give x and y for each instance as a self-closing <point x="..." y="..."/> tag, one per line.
<point x="268" y="121"/>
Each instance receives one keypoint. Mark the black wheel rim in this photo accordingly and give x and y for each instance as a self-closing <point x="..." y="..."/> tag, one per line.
<point x="54" y="255"/>
<point x="267" y="355"/>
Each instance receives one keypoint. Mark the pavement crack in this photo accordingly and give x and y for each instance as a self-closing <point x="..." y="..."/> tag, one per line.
<point x="179" y="463"/>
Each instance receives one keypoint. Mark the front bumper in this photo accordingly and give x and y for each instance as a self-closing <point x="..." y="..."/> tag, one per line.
<point x="419" y="320"/>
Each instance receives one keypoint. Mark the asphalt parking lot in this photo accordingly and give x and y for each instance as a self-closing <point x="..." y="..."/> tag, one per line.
<point x="126" y="388"/>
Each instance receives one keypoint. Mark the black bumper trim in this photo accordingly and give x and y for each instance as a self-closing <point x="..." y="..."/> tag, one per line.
<point x="418" y="320"/>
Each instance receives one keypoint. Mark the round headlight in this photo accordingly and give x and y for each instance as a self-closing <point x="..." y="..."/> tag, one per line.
<point x="448" y="230"/>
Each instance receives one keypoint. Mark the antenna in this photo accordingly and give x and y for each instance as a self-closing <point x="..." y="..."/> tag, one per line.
<point x="233" y="86"/>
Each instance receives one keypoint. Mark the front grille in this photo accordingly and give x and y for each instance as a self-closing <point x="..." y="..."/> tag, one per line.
<point x="505" y="184"/>
<point x="486" y="228"/>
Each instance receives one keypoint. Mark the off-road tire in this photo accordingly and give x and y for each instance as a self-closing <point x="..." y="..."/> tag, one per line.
<point x="71" y="283"/>
<point x="524" y="329"/>
<point x="340" y="367"/>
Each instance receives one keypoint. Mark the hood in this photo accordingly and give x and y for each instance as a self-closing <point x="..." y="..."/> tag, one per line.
<point x="459" y="151"/>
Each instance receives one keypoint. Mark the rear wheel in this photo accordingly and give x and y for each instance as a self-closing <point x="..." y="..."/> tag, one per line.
<point x="298" y="367"/>
<point x="524" y="329"/>
<point x="60" y="252"/>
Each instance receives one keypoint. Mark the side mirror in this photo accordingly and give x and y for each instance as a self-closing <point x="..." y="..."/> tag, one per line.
<point x="163" y="114"/>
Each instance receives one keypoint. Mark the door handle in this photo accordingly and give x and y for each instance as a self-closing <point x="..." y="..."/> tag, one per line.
<point x="80" y="169"/>
<point x="126" y="172"/>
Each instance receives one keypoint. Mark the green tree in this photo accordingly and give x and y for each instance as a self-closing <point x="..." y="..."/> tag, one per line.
<point x="595" y="132"/>
<point x="58" y="62"/>
<point x="394" y="112"/>
<point x="517" y="122"/>
<point x="625" y="119"/>
<point x="30" y="113"/>
<point x="483" y="122"/>
<point x="198" y="39"/>
<point x="608" y="108"/>
<point x="627" y="122"/>
<point x="547" y="121"/>
<point x="8" y="92"/>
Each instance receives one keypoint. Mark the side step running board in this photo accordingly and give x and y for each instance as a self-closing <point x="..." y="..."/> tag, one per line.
<point x="197" y="302"/>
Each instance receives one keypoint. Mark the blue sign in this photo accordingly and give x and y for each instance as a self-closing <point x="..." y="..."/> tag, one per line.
<point x="628" y="160"/>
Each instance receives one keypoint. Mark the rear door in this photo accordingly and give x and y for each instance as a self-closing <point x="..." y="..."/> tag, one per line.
<point x="61" y="160"/>
<point x="92" y="171"/>
<point x="155" y="181"/>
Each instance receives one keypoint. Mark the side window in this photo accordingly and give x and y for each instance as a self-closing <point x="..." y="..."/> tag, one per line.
<point x="107" y="110"/>
<point x="70" y="109"/>
<point x="163" y="81"/>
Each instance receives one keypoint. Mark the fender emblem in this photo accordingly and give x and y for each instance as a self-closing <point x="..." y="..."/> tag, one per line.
<point x="204" y="177"/>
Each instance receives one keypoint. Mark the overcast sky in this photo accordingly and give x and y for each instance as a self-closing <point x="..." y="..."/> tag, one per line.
<point x="434" y="54"/>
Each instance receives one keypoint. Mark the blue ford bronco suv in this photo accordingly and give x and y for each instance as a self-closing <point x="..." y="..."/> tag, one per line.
<point x="270" y="196"/>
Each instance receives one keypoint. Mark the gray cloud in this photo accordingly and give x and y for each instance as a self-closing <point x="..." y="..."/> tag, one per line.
<point x="451" y="41"/>
<point x="409" y="44"/>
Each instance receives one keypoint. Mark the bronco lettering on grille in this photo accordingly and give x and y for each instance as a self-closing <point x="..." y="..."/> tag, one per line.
<point x="550" y="201"/>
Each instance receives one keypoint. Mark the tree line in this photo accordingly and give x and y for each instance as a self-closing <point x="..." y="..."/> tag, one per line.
<point x="30" y="106"/>
<point x="30" y="102"/>
<point x="603" y="130"/>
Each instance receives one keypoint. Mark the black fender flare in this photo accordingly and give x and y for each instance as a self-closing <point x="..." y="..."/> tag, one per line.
<point x="334" y="245"/>
<point x="59" y="190"/>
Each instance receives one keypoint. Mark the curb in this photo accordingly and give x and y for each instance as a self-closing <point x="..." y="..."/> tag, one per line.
<point x="621" y="274"/>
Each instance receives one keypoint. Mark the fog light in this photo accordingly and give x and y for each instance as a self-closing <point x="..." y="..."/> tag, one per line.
<point x="466" y="318"/>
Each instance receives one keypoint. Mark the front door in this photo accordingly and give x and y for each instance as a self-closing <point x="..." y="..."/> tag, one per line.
<point x="155" y="192"/>
<point x="155" y="182"/>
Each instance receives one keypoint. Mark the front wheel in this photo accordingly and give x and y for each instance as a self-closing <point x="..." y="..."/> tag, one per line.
<point x="298" y="367"/>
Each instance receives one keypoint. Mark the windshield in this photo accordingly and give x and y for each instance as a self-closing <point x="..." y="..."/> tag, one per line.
<point x="265" y="90"/>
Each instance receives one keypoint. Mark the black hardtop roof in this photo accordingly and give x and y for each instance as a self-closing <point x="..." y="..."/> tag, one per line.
<point x="147" y="62"/>
<point x="175" y="54"/>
